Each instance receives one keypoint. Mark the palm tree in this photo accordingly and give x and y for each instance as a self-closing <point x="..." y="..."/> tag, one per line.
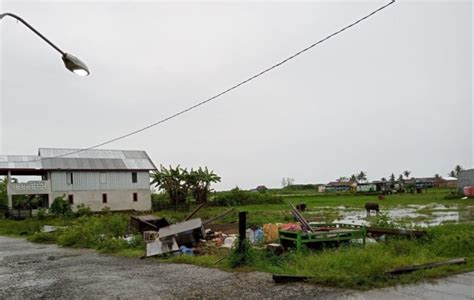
<point x="353" y="178"/>
<point x="457" y="169"/>
<point x="400" y="179"/>
<point x="392" y="178"/>
<point x="362" y="176"/>
<point x="406" y="173"/>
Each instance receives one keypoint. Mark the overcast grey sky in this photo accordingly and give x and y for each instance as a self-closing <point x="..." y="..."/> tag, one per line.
<point x="392" y="94"/>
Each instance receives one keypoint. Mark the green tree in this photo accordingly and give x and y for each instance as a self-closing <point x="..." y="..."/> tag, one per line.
<point x="400" y="179"/>
<point x="452" y="173"/>
<point x="353" y="177"/>
<point x="437" y="176"/>
<point x="362" y="176"/>
<point x="406" y="173"/>
<point x="60" y="207"/>
<point x="3" y="192"/>
<point x="174" y="181"/>
<point x="200" y="181"/>
<point x="392" y="178"/>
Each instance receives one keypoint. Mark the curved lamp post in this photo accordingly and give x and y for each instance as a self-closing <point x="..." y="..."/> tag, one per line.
<point x="71" y="62"/>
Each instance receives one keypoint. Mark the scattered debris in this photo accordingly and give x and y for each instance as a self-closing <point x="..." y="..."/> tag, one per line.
<point x="187" y="233"/>
<point x="185" y="250"/>
<point x="275" y="249"/>
<point x="300" y="218"/>
<point x="48" y="228"/>
<point x="229" y="241"/>
<point x="150" y="236"/>
<point x="270" y="232"/>
<point x="147" y="223"/>
<point x="281" y="278"/>
<point x="161" y="246"/>
<point x="409" y="269"/>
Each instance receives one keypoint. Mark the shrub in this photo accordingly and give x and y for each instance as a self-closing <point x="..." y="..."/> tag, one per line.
<point x="60" y="207"/>
<point x="43" y="237"/>
<point x="41" y="214"/>
<point x="242" y="254"/>
<point x="237" y="196"/>
<point x="83" y="210"/>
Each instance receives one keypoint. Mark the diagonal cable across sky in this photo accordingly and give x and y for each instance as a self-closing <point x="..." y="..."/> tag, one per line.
<point x="228" y="90"/>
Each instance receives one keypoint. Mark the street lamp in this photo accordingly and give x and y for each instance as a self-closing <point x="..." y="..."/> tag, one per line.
<point x="71" y="62"/>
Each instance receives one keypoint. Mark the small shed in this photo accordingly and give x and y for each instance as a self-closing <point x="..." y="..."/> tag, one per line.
<point x="147" y="223"/>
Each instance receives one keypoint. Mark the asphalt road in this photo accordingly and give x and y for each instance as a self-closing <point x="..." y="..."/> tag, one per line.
<point x="29" y="270"/>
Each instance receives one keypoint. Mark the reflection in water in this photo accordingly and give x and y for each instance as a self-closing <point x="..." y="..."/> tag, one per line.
<point x="414" y="215"/>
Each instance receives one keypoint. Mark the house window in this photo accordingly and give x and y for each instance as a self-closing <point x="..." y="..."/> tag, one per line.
<point x="71" y="199"/>
<point x="134" y="177"/>
<point x="135" y="197"/>
<point x="103" y="177"/>
<point x="69" y="178"/>
<point x="104" y="198"/>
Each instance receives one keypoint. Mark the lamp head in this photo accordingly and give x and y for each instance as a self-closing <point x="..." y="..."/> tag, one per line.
<point x="75" y="65"/>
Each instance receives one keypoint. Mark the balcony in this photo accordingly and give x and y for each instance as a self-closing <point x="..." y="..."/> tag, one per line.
<point x="36" y="187"/>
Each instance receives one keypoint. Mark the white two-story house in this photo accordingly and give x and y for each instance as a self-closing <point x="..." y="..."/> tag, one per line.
<point x="115" y="179"/>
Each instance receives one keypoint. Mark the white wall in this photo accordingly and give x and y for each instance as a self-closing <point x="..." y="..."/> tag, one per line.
<point x="116" y="199"/>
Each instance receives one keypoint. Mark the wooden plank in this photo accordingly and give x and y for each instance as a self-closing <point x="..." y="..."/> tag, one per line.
<point x="394" y="231"/>
<point x="409" y="269"/>
<point x="194" y="211"/>
<point x="300" y="218"/>
<point x="282" y="278"/>
<point x="218" y="217"/>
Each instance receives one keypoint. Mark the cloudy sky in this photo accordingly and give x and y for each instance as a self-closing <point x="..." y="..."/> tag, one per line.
<point x="392" y="94"/>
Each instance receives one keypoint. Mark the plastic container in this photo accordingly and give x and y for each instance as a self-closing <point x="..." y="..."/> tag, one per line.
<point x="250" y="235"/>
<point x="469" y="191"/>
<point x="185" y="250"/>
<point x="259" y="235"/>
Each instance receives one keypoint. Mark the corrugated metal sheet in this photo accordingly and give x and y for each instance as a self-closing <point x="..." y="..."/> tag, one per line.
<point x="85" y="160"/>
<point x="20" y="162"/>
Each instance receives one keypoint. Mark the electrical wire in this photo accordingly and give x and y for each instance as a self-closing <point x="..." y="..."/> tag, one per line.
<point x="223" y="92"/>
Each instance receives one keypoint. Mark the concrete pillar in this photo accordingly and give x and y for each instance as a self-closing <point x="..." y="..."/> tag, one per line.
<point x="9" y="196"/>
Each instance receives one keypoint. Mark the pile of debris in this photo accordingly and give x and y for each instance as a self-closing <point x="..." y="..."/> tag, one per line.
<point x="187" y="237"/>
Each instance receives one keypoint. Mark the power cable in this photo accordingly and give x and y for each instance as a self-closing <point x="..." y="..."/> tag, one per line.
<point x="223" y="92"/>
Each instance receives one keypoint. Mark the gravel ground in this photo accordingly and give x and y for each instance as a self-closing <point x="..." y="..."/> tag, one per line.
<point x="29" y="270"/>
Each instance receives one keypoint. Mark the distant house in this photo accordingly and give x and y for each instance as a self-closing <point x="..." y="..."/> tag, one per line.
<point x="445" y="182"/>
<point x="366" y="187"/>
<point x="321" y="188"/>
<point x="117" y="179"/>
<point x="465" y="178"/>
<point x="341" y="186"/>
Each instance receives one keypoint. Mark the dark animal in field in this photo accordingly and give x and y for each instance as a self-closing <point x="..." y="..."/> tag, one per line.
<point x="372" y="206"/>
<point x="301" y="206"/>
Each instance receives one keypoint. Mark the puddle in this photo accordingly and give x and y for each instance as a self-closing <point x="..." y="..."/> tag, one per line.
<point x="413" y="215"/>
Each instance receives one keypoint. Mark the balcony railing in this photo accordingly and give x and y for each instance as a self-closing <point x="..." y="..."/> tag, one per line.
<point x="30" y="187"/>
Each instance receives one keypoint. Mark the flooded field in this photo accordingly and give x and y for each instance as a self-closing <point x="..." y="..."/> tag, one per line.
<point x="410" y="215"/>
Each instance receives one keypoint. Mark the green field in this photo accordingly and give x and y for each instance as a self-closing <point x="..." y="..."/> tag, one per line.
<point x="351" y="266"/>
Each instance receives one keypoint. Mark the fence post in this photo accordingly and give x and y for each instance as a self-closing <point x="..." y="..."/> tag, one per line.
<point x="242" y="227"/>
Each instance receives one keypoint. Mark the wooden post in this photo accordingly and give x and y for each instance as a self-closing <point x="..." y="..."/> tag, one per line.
<point x="242" y="227"/>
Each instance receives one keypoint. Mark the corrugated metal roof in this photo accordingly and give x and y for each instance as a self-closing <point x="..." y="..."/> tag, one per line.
<point x="20" y="162"/>
<point x="86" y="160"/>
